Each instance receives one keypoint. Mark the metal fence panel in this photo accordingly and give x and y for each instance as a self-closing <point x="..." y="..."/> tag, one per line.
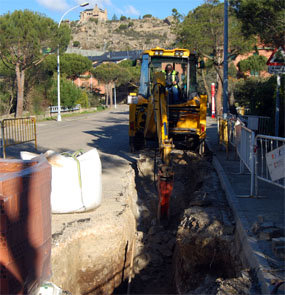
<point x="245" y="150"/>
<point x="266" y="146"/>
<point x="16" y="131"/>
<point x="260" y="124"/>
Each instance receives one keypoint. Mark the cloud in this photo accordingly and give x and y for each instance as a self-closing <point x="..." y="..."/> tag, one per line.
<point x="56" y="5"/>
<point x="100" y="3"/>
<point x="131" y="10"/>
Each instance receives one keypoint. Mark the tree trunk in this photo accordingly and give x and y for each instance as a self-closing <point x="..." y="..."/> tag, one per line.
<point x="20" y="76"/>
<point x="219" y="105"/>
<point x="206" y="85"/>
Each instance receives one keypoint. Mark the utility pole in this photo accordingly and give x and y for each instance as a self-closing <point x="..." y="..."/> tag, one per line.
<point x="225" y="88"/>
<point x="277" y="107"/>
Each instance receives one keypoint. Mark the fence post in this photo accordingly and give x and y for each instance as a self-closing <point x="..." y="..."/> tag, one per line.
<point x="256" y="164"/>
<point x="35" y="133"/>
<point x="252" y="163"/>
<point x="3" y="140"/>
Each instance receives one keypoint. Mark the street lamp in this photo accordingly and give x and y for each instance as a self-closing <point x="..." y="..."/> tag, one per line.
<point x="58" y="69"/>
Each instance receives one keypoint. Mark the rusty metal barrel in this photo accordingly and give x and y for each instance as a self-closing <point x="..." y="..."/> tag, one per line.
<point x="25" y="224"/>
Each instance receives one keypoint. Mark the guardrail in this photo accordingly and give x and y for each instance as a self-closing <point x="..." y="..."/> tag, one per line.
<point x="269" y="160"/>
<point x="16" y="131"/>
<point x="54" y="109"/>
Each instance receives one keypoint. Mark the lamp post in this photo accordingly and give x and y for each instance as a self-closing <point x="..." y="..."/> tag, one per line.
<point x="58" y="68"/>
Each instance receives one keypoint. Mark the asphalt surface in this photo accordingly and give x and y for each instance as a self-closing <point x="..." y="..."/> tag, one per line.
<point x="107" y="131"/>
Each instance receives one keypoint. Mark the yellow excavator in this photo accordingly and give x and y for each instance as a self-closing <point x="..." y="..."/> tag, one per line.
<point x="154" y="117"/>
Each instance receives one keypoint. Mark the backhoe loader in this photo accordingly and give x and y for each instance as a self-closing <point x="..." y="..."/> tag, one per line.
<point x="155" y="119"/>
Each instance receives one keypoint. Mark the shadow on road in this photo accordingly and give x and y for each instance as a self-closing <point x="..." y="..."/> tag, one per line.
<point x="112" y="140"/>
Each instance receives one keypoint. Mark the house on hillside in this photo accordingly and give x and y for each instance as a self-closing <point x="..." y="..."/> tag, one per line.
<point x="96" y="13"/>
<point x="261" y="50"/>
<point x="88" y="81"/>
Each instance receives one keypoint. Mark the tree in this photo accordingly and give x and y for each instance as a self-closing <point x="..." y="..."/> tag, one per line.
<point x="177" y="16"/>
<point x="134" y="70"/>
<point x="264" y="18"/>
<point x="71" y="64"/>
<point x="110" y="74"/>
<point x="23" y="35"/>
<point x="7" y="89"/>
<point x="114" y="17"/>
<point x="118" y="74"/>
<point x="202" y="31"/>
<point x="122" y="18"/>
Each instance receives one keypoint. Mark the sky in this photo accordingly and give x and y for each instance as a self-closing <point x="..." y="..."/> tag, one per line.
<point x="130" y="8"/>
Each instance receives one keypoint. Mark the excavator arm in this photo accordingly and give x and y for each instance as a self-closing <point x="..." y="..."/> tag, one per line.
<point x="165" y="170"/>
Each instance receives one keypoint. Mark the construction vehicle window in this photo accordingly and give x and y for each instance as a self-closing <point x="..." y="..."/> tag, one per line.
<point x="180" y="65"/>
<point x="144" y="79"/>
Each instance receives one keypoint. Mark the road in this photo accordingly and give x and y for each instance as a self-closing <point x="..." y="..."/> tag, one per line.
<point x="107" y="131"/>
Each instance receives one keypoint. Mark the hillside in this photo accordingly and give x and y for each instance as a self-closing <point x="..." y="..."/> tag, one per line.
<point x="130" y="34"/>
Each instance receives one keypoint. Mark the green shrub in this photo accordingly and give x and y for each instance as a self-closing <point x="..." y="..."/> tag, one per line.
<point x="76" y="44"/>
<point x="83" y="100"/>
<point x="94" y="99"/>
<point x="94" y="20"/>
<point x="254" y="64"/>
<point x="122" y="27"/>
<point x="122" y="18"/>
<point x="69" y="93"/>
<point x="147" y="16"/>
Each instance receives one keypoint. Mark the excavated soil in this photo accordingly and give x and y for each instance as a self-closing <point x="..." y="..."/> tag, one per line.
<point x="120" y="248"/>
<point x="197" y="251"/>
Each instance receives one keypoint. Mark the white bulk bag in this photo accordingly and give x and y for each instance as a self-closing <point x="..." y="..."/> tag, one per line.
<point x="76" y="181"/>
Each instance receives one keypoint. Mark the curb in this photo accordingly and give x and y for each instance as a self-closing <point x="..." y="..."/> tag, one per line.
<point x="254" y="256"/>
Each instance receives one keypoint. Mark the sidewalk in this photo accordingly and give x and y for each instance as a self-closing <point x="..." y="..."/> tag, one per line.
<point x="260" y="221"/>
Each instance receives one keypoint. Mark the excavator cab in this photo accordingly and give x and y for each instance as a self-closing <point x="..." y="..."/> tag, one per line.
<point x="186" y="117"/>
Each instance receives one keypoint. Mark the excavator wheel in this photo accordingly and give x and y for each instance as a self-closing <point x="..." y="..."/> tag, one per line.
<point x="202" y="148"/>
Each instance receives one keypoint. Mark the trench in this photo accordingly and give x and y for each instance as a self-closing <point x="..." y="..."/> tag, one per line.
<point x="197" y="252"/>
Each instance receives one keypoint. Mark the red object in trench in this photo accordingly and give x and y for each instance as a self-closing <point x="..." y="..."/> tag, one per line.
<point x="165" y="187"/>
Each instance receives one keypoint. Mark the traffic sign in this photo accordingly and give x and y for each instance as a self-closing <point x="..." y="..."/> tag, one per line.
<point x="276" y="69"/>
<point x="276" y="62"/>
<point x="277" y="58"/>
